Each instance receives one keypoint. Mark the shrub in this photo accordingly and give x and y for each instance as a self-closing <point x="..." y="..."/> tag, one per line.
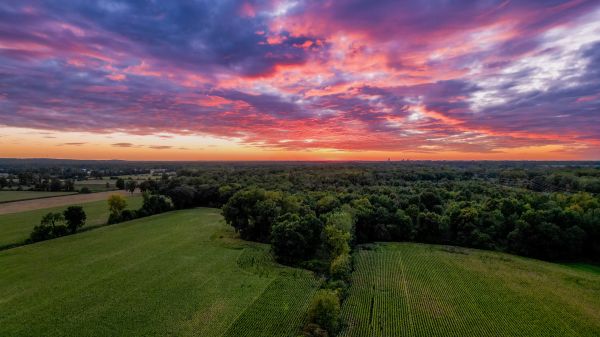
<point x="339" y="286"/>
<point x="325" y="311"/>
<point x="85" y="190"/>
<point x="314" y="330"/>
<point x="51" y="226"/>
<point x="341" y="267"/>
<point x="40" y="233"/>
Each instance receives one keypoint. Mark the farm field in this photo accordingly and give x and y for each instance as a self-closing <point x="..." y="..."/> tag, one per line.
<point x="426" y="290"/>
<point x="9" y="196"/>
<point x="66" y="200"/>
<point x="16" y="227"/>
<point x="174" y="274"/>
<point x="96" y="185"/>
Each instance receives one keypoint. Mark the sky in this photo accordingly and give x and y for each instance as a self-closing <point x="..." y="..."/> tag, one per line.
<point x="300" y="80"/>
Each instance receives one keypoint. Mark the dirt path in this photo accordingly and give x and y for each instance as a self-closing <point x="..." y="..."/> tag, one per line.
<point x="28" y="205"/>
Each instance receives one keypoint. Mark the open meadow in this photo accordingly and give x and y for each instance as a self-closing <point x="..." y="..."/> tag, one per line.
<point x="175" y="274"/>
<point x="15" y="227"/>
<point x="427" y="290"/>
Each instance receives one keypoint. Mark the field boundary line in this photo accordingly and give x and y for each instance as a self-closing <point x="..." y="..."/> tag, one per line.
<point x="37" y="198"/>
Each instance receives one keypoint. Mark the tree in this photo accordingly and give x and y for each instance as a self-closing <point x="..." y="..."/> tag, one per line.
<point x="116" y="205"/>
<point x="252" y="212"/>
<point x="51" y="226"/>
<point x="56" y="185"/>
<point x="295" y="238"/>
<point x="428" y="228"/>
<point x="131" y="186"/>
<point x="120" y="184"/>
<point x="341" y="267"/>
<point x="324" y="310"/>
<point x="155" y="204"/>
<point x="337" y="233"/>
<point x="69" y="185"/>
<point x="429" y="200"/>
<point x="75" y="218"/>
<point x="182" y="196"/>
<point x="3" y="182"/>
<point x="326" y="204"/>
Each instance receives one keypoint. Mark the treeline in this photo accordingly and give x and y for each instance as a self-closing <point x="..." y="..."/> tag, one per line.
<point x="37" y="183"/>
<point x="431" y="204"/>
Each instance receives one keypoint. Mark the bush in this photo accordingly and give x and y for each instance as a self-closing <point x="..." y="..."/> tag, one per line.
<point x="339" y="286"/>
<point x="40" y="233"/>
<point x="325" y="311"/>
<point x="51" y="226"/>
<point x="85" y="190"/>
<point x="341" y="267"/>
<point x="314" y="330"/>
<point x="127" y="215"/>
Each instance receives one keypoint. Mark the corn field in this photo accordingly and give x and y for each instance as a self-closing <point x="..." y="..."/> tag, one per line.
<point x="423" y="290"/>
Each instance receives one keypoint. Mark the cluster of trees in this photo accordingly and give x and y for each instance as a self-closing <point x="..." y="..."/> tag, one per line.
<point x="153" y="204"/>
<point x="56" y="224"/>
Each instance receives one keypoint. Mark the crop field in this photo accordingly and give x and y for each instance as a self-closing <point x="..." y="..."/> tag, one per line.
<point x="426" y="290"/>
<point x="9" y="196"/>
<point x="96" y="185"/>
<point x="174" y="274"/>
<point x="15" y="227"/>
<point x="65" y="200"/>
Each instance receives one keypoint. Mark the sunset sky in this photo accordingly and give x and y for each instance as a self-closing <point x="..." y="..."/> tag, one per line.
<point x="300" y="80"/>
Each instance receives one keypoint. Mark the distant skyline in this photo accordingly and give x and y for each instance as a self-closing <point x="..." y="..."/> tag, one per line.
<point x="300" y="80"/>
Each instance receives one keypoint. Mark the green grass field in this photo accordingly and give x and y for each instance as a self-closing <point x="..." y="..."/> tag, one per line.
<point x="96" y="185"/>
<point x="8" y="196"/>
<point x="175" y="274"/>
<point x="425" y="290"/>
<point x="16" y="227"/>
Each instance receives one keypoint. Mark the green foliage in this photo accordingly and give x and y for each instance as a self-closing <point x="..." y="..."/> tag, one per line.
<point x="324" y="311"/>
<point x="116" y="205"/>
<point x="336" y="241"/>
<point x="51" y="226"/>
<point x="252" y="212"/>
<point x="75" y="218"/>
<point x="341" y="267"/>
<point x="182" y="196"/>
<point x="155" y="204"/>
<point x="295" y="238"/>
<point x="131" y="186"/>
<point x="120" y="184"/>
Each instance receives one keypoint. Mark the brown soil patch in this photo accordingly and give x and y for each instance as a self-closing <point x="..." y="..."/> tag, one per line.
<point x="29" y="205"/>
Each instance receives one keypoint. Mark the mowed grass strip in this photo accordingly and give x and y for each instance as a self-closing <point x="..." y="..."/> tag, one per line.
<point x="426" y="290"/>
<point x="16" y="227"/>
<point x="173" y="274"/>
<point x="9" y="196"/>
